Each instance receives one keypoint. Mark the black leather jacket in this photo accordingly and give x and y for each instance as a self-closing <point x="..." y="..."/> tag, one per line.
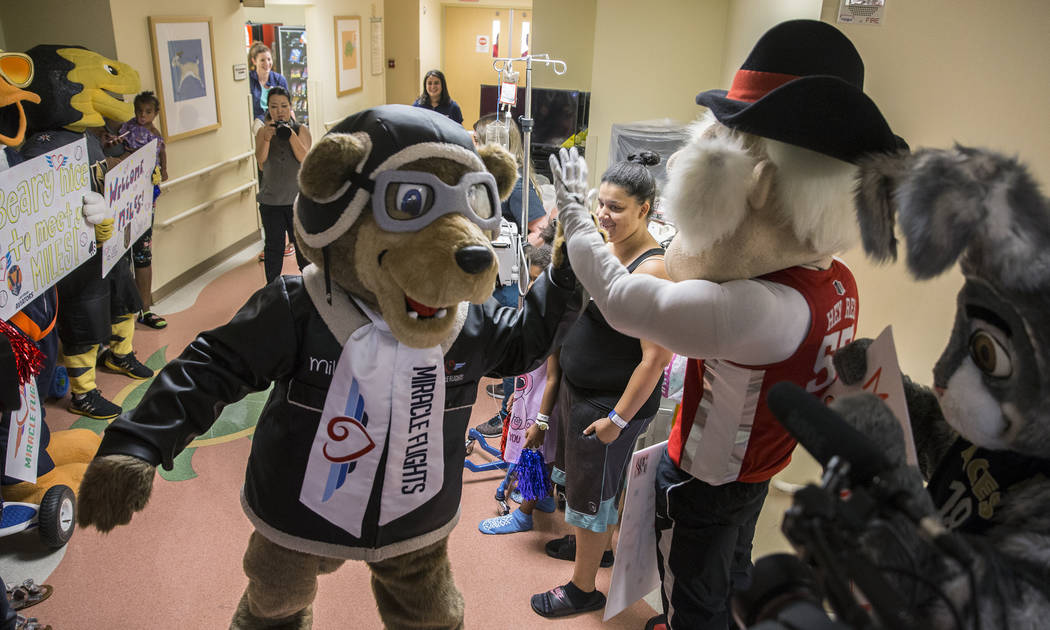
<point x="282" y="337"/>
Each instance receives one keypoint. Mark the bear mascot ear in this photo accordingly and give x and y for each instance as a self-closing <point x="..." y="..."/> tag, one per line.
<point x="329" y="165"/>
<point x="503" y="167"/>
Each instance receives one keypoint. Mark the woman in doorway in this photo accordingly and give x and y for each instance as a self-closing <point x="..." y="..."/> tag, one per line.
<point x="608" y="393"/>
<point x="280" y="146"/>
<point x="262" y="78"/>
<point x="435" y="97"/>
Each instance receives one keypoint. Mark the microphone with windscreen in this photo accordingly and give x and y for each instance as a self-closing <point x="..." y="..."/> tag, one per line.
<point x="824" y="433"/>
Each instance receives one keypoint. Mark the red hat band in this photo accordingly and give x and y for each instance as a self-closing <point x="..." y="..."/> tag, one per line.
<point x="751" y="85"/>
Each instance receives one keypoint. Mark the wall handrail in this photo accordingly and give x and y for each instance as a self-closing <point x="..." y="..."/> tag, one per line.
<point x="207" y="169"/>
<point x="204" y="206"/>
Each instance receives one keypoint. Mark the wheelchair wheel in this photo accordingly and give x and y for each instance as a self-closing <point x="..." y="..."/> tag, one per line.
<point x="57" y="518"/>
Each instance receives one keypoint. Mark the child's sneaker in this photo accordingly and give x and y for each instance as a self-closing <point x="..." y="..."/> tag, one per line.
<point x="493" y="427"/>
<point x="93" y="405"/>
<point x="126" y="364"/>
<point x="516" y="521"/>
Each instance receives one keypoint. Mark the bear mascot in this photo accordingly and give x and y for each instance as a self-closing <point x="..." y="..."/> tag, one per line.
<point x="982" y="434"/>
<point x="375" y="353"/>
<point x="762" y="196"/>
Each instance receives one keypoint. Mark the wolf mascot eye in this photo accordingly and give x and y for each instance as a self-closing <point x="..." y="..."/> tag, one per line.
<point x="989" y="355"/>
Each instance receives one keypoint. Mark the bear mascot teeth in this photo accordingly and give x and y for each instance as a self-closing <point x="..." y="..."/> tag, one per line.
<point x="982" y="434"/>
<point x="375" y="353"/>
<point x="762" y="195"/>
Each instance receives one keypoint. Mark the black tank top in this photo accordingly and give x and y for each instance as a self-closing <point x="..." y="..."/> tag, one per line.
<point x="598" y="360"/>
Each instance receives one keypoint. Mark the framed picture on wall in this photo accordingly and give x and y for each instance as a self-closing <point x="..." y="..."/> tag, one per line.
<point x="348" y="54"/>
<point x="184" y="67"/>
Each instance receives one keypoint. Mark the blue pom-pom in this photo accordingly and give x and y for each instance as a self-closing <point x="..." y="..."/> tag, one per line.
<point x="533" y="482"/>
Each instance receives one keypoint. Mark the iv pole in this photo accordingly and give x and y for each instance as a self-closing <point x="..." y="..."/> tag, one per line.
<point x="505" y="65"/>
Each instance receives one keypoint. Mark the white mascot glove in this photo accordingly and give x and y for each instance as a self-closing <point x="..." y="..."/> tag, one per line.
<point x="98" y="213"/>
<point x="570" y="183"/>
<point x="95" y="208"/>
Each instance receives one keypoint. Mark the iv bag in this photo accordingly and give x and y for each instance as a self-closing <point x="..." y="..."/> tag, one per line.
<point x="497" y="132"/>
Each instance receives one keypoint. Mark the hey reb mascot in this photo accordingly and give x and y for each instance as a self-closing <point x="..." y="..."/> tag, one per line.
<point x="375" y="354"/>
<point x="762" y="195"/>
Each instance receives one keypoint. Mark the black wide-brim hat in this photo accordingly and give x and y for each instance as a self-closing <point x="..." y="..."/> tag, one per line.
<point x="802" y="84"/>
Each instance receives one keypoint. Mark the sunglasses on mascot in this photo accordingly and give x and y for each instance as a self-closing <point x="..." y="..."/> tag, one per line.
<point x="16" y="69"/>
<point x="408" y="201"/>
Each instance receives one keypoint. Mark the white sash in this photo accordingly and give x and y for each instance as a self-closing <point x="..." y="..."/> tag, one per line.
<point x="23" y="436"/>
<point x="384" y="396"/>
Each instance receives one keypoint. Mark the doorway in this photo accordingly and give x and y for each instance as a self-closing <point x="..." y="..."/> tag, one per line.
<point x="282" y="29"/>
<point x="473" y="37"/>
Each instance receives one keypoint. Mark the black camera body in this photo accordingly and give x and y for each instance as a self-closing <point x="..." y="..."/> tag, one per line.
<point x="283" y="129"/>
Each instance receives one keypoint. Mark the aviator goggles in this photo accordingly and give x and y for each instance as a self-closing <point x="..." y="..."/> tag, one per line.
<point x="16" y="69"/>
<point x="408" y="201"/>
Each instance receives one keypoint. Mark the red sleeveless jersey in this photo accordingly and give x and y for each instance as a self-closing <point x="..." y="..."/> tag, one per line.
<point x="724" y="431"/>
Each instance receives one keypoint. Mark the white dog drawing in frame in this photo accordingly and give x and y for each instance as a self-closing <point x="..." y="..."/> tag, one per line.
<point x="187" y="69"/>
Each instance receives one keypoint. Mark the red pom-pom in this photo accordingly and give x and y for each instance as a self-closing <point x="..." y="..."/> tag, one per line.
<point x="29" y="360"/>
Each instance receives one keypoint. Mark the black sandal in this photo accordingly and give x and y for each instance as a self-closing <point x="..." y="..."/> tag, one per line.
<point x="151" y="319"/>
<point x="556" y="603"/>
<point x="564" y="548"/>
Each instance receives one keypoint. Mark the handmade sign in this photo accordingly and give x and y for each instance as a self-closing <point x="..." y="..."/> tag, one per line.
<point x="635" y="574"/>
<point x="43" y="235"/>
<point x="129" y="193"/>
<point x="883" y="379"/>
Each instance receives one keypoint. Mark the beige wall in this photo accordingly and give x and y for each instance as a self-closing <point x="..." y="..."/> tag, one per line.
<point x="748" y="19"/>
<point x="651" y="64"/>
<point x="943" y="71"/>
<point x="197" y="238"/>
<point x="286" y="14"/>
<point x="85" y="23"/>
<point x="466" y="69"/>
<point x="402" y="45"/>
<point x="565" y="31"/>
<point x="431" y="41"/>
<point x="320" y="21"/>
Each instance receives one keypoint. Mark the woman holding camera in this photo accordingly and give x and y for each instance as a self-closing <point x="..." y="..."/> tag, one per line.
<point x="280" y="146"/>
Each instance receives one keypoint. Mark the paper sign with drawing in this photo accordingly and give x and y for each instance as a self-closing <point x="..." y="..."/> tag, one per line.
<point x="43" y="233"/>
<point x="883" y="379"/>
<point x="129" y="193"/>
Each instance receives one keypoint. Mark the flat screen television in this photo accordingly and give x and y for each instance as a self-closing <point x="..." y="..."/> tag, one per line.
<point x="557" y="114"/>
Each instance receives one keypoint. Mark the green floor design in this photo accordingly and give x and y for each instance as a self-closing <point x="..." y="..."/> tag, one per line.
<point x="236" y="420"/>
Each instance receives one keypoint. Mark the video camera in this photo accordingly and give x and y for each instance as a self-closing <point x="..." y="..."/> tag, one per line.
<point x="825" y="525"/>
